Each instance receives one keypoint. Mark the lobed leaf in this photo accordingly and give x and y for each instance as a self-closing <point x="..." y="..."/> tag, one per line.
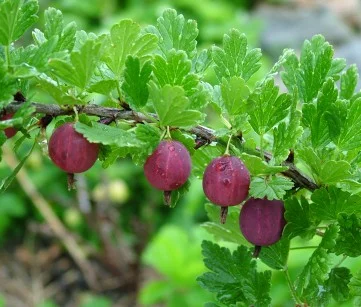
<point x="16" y="17"/>
<point x="135" y="82"/>
<point x="235" y="59"/>
<point x="300" y="221"/>
<point x="234" y="283"/>
<point x="272" y="187"/>
<point x="174" y="32"/>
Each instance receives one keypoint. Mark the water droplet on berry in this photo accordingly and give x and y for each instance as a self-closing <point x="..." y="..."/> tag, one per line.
<point x="171" y="148"/>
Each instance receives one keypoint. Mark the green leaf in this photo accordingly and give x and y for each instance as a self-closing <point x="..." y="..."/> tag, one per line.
<point x="272" y="187"/>
<point x="350" y="137"/>
<point x="312" y="160"/>
<point x="234" y="277"/>
<point x="81" y="67"/>
<point x="174" y="32"/>
<point x="349" y="80"/>
<point x="310" y="284"/>
<point x="148" y="134"/>
<point x="172" y="106"/>
<point x="7" y="84"/>
<point x="300" y="222"/>
<point x="349" y="241"/>
<point x="16" y="17"/>
<point x="329" y="202"/>
<point x="266" y="108"/>
<point x="104" y="87"/>
<point x="108" y="135"/>
<point x="58" y="93"/>
<point x="316" y="64"/>
<point x="203" y="156"/>
<point x="355" y="285"/>
<point x="337" y="283"/>
<point x="258" y="167"/>
<point x="228" y="231"/>
<point x="333" y="172"/>
<point x="276" y="255"/>
<point x="5" y="183"/>
<point x="175" y="70"/>
<point x="126" y="39"/>
<point x="135" y="82"/>
<point x="54" y="26"/>
<point x="285" y="135"/>
<point x="315" y="114"/>
<point x="235" y="59"/>
<point x="234" y="94"/>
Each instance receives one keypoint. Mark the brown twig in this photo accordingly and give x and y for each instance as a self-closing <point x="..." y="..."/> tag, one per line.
<point x="202" y="132"/>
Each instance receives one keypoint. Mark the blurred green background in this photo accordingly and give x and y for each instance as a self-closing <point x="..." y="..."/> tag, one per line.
<point x="144" y="253"/>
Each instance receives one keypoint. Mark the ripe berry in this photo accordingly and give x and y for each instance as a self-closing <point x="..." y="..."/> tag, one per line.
<point x="70" y="151"/>
<point x="262" y="222"/>
<point x="9" y="132"/>
<point x="169" y="166"/>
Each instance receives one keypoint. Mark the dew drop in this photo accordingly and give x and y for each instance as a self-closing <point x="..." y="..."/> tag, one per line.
<point x="171" y="148"/>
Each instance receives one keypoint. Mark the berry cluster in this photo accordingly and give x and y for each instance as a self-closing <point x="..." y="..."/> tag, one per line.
<point x="226" y="182"/>
<point x="226" y="179"/>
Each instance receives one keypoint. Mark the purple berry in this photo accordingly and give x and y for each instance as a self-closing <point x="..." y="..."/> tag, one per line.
<point x="261" y="221"/>
<point x="70" y="151"/>
<point x="226" y="181"/>
<point x="169" y="166"/>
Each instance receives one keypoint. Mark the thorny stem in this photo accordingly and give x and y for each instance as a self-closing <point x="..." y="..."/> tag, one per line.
<point x="291" y="287"/>
<point x="115" y="113"/>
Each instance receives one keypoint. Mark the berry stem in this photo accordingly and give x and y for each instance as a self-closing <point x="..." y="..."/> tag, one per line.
<point x="167" y="196"/>
<point x="226" y="122"/>
<point x="291" y="287"/>
<point x="76" y="114"/>
<point x="224" y="213"/>
<point x="168" y="135"/>
<point x="257" y="250"/>
<point x="226" y="153"/>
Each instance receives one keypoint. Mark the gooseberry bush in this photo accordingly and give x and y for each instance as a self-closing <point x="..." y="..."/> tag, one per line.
<point x="289" y="158"/>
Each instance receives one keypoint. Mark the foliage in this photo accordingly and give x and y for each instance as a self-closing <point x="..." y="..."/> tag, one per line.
<point x="156" y="78"/>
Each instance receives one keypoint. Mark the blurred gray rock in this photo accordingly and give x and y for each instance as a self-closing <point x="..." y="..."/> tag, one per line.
<point x="351" y="52"/>
<point x="285" y="27"/>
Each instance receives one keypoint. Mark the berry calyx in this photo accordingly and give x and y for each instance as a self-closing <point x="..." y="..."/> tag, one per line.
<point x="262" y="221"/>
<point x="70" y="151"/>
<point x="169" y="166"/>
<point x="9" y="132"/>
